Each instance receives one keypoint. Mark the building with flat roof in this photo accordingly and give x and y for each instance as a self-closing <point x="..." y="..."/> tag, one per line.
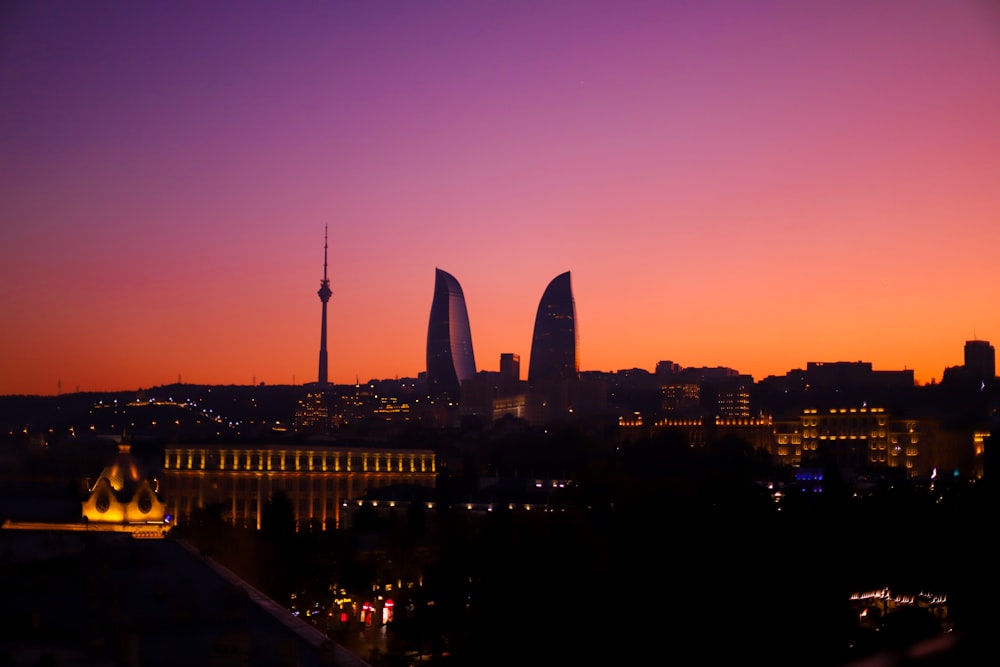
<point x="317" y="477"/>
<point x="980" y="360"/>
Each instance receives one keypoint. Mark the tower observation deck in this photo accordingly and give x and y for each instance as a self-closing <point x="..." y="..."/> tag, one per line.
<point x="324" y="295"/>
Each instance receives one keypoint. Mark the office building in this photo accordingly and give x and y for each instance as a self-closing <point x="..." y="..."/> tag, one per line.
<point x="510" y="367"/>
<point x="554" y="343"/>
<point x="872" y="440"/>
<point x="980" y="360"/>
<point x="555" y="392"/>
<point x="450" y="358"/>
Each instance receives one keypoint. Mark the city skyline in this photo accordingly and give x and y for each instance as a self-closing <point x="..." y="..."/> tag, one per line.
<point x="754" y="187"/>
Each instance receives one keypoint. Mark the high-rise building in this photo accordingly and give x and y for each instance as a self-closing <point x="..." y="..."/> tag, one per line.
<point x="554" y="391"/>
<point x="980" y="360"/>
<point x="554" y="348"/>
<point x="510" y="367"/>
<point x="510" y="397"/>
<point x="450" y="359"/>
<point x="324" y="295"/>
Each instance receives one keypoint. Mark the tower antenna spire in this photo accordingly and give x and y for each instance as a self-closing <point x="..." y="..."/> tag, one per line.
<point x="326" y="236"/>
<point x="324" y="295"/>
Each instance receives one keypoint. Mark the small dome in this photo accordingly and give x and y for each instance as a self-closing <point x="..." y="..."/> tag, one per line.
<point x="125" y="472"/>
<point x="124" y="493"/>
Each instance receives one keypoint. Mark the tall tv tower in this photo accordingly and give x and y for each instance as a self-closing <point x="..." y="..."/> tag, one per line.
<point x="324" y="295"/>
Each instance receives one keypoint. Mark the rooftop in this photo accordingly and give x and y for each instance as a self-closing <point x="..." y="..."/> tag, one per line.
<point x="108" y="599"/>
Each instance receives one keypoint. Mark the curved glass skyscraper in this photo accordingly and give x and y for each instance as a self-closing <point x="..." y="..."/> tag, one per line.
<point x="554" y="346"/>
<point x="450" y="359"/>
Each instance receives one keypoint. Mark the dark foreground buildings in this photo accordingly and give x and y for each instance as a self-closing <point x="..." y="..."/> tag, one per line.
<point x="104" y="582"/>
<point x="106" y="599"/>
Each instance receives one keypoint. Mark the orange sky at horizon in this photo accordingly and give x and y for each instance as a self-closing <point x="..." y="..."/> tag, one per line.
<point x="749" y="186"/>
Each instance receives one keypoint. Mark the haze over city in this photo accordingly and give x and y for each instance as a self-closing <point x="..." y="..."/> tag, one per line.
<point x="751" y="185"/>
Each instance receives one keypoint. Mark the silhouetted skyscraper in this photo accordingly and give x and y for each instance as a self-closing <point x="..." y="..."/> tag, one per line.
<point x="450" y="359"/>
<point x="324" y="295"/>
<point x="554" y="342"/>
<point x="510" y="367"/>
<point x="980" y="360"/>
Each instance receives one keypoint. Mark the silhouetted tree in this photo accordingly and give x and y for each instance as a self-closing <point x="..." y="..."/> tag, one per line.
<point x="207" y="525"/>
<point x="277" y="517"/>
<point x="281" y="572"/>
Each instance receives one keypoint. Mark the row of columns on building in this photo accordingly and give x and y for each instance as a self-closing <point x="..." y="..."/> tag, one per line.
<point x="313" y="502"/>
<point x="302" y="461"/>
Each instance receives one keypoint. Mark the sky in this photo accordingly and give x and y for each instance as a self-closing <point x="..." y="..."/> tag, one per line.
<point x="754" y="185"/>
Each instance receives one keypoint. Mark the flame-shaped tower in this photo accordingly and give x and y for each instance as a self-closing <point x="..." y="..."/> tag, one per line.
<point x="555" y="343"/>
<point x="450" y="359"/>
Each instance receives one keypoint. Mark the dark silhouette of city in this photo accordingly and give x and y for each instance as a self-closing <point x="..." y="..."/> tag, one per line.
<point x="829" y="515"/>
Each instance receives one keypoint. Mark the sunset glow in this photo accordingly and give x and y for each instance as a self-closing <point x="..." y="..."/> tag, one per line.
<point x="751" y="185"/>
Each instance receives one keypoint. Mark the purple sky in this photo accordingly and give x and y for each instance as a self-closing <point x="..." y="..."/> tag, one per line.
<point x="754" y="185"/>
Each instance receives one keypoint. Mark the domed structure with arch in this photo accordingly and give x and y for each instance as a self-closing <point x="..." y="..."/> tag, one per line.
<point x="124" y="495"/>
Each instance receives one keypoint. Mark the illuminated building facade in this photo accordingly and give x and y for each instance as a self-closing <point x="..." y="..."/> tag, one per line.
<point x="509" y="405"/>
<point x="873" y="607"/>
<point x="318" y="479"/>
<point x="123" y="499"/>
<point x="732" y="397"/>
<point x="866" y="440"/>
<point x="758" y="431"/>
<point x="682" y="399"/>
<point x="312" y="414"/>
<point x="860" y="441"/>
<point x="450" y="358"/>
<point x="125" y="494"/>
<point x="857" y="438"/>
